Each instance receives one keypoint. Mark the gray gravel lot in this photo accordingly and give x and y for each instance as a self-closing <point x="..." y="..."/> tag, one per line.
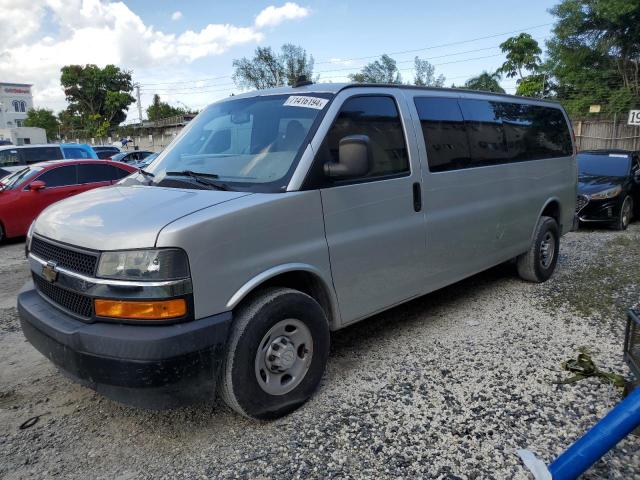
<point x="447" y="386"/>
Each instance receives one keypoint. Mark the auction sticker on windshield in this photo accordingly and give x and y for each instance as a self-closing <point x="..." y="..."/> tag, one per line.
<point x="307" y="102"/>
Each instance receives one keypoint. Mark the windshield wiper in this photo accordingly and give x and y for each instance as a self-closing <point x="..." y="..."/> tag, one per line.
<point x="145" y="173"/>
<point x="202" y="178"/>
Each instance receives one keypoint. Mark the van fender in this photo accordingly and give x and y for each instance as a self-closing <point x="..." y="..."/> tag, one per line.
<point x="259" y="279"/>
<point x="544" y="207"/>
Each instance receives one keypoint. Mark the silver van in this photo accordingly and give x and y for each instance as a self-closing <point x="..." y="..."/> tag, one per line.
<point x="279" y="216"/>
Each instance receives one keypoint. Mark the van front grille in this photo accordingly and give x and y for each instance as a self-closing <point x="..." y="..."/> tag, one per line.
<point x="80" y="262"/>
<point x="73" y="302"/>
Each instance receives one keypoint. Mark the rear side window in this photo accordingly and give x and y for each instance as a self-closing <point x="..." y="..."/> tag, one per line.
<point x="9" y="158"/>
<point x="378" y="118"/>
<point x="496" y="132"/>
<point x="91" y="173"/>
<point x="60" y="176"/>
<point x="75" y="152"/>
<point x="444" y="132"/>
<point x="40" y="154"/>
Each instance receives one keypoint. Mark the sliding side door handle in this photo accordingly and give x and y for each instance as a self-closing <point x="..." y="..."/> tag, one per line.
<point x="417" y="197"/>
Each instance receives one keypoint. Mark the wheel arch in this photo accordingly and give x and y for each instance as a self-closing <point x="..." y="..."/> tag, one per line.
<point x="551" y="208"/>
<point x="298" y="276"/>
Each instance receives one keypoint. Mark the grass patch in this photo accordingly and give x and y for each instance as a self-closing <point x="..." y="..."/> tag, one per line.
<point x="606" y="285"/>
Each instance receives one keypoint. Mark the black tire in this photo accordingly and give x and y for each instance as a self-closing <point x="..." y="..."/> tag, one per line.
<point x="533" y="266"/>
<point x="238" y="383"/>
<point x="626" y="214"/>
<point x="2" y="236"/>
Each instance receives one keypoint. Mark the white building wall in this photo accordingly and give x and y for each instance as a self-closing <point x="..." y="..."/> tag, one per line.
<point x="15" y="101"/>
<point x="24" y="135"/>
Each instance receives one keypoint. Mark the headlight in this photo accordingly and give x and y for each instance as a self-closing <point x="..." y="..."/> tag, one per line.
<point x="608" y="193"/>
<point x="27" y="245"/>
<point x="152" y="265"/>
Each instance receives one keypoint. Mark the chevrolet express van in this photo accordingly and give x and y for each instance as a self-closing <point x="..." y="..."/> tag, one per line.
<point x="278" y="216"/>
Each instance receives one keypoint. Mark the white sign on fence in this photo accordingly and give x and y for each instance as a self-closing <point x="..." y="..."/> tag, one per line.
<point x="634" y="118"/>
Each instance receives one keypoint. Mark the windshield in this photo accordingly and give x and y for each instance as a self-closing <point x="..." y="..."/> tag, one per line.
<point x="603" y="165"/>
<point x="12" y="181"/>
<point x="118" y="156"/>
<point x="250" y="143"/>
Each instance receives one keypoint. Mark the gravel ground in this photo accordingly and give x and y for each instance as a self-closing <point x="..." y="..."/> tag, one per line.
<point x="447" y="386"/>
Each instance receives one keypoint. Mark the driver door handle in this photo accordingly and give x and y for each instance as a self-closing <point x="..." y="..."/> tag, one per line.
<point x="417" y="197"/>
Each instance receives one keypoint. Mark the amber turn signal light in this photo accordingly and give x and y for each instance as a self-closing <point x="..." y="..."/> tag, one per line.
<point x="144" y="310"/>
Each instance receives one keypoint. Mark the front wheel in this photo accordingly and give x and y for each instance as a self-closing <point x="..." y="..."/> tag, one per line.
<point x="626" y="214"/>
<point x="539" y="262"/>
<point x="276" y="354"/>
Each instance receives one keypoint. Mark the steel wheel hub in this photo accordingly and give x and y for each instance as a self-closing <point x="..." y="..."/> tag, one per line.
<point x="284" y="356"/>
<point x="547" y="250"/>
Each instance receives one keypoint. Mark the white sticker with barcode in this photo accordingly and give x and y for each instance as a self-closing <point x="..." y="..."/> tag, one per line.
<point x="306" y="102"/>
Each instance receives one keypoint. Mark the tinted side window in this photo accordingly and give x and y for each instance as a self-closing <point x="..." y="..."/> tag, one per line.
<point x="444" y="132"/>
<point x="59" y="177"/>
<point x="378" y="118"/>
<point x="74" y="152"/>
<point x="41" y="154"/>
<point x="9" y="158"/>
<point x="120" y="173"/>
<point x="91" y="173"/>
<point x="485" y="131"/>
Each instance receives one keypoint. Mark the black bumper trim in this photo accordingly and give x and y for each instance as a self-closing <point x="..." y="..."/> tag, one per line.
<point x="146" y="365"/>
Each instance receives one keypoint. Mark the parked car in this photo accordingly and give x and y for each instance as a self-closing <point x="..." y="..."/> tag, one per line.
<point x="609" y="187"/>
<point x="131" y="157"/>
<point x="13" y="157"/>
<point x="145" y="161"/>
<point x="25" y="193"/>
<point x="105" y="151"/>
<point x="282" y="215"/>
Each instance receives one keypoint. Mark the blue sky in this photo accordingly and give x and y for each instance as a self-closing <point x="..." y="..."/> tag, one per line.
<point x="141" y="35"/>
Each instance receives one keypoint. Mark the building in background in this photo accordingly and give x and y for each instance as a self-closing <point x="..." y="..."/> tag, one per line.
<point x="15" y="101"/>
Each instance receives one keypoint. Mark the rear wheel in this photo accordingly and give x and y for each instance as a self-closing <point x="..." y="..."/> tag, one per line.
<point x="276" y="354"/>
<point x="626" y="214"/>
<point x="539" y="262"/>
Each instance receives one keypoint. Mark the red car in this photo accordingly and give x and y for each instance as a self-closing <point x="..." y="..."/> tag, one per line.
<point x="25" y="193"/>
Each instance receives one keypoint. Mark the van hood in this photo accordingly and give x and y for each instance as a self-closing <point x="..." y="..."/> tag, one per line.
<point x="121" y="217"/>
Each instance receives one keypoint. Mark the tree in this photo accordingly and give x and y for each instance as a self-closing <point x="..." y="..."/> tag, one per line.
<point x="159" y="109"/>
<point x="43" y="118"/>
<point x="384" y="70"/>
<point x="594" y="54"/>
<point x="91" y="91"/>
<point x="268" y="70"/>
<point x="488" y="82"/>
<point x="425" y="74"/>
<point x="533" y="86"/>
<point x="523" y="53"/>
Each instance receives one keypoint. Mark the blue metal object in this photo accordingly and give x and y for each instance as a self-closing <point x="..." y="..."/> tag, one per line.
<point x="602" y="437"/>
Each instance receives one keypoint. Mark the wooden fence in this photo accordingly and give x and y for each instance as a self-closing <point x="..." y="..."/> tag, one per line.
<point x="597" y="134"/>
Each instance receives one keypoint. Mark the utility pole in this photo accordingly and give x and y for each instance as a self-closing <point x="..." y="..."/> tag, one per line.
<point x="137" y="85"/>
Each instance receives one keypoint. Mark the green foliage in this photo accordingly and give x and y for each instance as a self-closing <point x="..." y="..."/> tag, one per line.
<point x="535" y="85"/>
<point x="159" y="109"/>
<point x="43" y="118"/>
<point x="97" y="95"/>
<point x="594" y="55"/>
<point x="487" y="82"/>
<point x="523" y="53"/>
<point x="268" y="69"/>
<point x="384" y="70"/>
<point x="425" y="74"/>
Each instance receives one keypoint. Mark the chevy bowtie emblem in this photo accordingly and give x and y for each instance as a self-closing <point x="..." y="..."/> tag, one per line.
<point x="49" y="272"/>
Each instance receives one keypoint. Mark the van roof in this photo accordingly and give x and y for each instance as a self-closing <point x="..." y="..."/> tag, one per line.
<point x="338" y="87"/>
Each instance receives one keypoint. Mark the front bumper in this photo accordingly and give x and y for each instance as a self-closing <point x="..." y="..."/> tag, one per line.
<point x="600" y="211"/>
<point x="149" y="366"/>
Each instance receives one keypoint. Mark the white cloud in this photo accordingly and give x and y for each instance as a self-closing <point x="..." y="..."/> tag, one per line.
<point x="272" y="16"/>
<point x="104" y="31"/>
<point x="177" y="15"/>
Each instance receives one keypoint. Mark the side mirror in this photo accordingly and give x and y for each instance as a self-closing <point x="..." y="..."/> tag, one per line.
<point x="354" y="158"/>
<point x="37" y="185"/>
